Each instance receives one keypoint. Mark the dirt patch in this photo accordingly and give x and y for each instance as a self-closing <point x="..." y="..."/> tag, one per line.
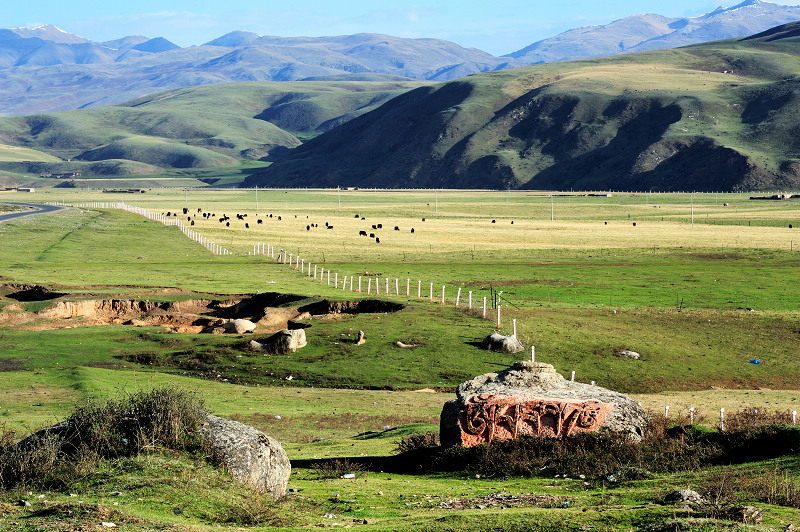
<point x="11" y="364"/>
<point x="81" y="517"/>
<point x="504" y="500"/>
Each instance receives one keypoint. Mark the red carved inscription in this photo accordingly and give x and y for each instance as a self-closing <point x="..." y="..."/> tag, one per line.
<point x="489" y="417"/>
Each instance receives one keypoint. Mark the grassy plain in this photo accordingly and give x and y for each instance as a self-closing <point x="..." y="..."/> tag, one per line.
<point x="582" y="286"/>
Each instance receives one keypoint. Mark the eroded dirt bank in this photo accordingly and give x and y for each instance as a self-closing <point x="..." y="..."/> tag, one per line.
<point x="269" y="311"/>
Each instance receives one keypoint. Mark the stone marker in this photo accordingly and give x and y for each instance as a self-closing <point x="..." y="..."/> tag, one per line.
<point x="530" y="398"/>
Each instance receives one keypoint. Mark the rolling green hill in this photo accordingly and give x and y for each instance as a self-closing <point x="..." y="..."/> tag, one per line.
<point x="717" y="116"/>
<point x="199" y="127"/>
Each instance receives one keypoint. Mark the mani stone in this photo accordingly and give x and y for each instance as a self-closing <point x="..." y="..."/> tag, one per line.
<point x="252" y="457"/>
<point x="502" y="344"/>
<point x="282" y="342"/>
<point x="529" y="399"/>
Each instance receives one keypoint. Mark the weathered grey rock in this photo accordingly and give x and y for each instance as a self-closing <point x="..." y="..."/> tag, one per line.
<point x="239" y="326"/>
<point x="59" y="431"/>
<point x="282" y="342"/>
<point x="748" y="514"/>
<point x="627" y="353"/>
<point x="537" y="383"/>
<point x="683" y="496"/>
<point x="502" y="344"/>
<point x="252" y="457"/>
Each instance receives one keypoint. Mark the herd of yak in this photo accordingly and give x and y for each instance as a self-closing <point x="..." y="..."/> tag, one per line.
<point x="225" y="219"/>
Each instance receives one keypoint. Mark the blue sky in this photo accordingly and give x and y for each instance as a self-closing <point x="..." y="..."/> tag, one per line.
<point x="496" y="27"/>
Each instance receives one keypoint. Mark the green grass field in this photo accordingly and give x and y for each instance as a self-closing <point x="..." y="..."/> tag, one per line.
<point x="582" y="286"/>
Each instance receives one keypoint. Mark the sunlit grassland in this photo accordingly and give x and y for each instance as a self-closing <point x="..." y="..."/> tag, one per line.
<point x="579" y="289"/>
<point x="581" y="286"/>
<point x="18" y="153"/>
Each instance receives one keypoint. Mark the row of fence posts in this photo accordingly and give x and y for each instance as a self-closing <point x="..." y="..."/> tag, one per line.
<point x="297" y="262"/>
<point x="721" y="415"/>
<point x="213" y="247"/>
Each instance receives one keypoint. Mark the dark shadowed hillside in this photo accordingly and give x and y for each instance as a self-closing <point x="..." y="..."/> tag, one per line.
<point x="719" y="116"/>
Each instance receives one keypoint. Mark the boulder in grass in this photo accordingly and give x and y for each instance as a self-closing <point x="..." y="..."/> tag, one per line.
<point x="503" y="344"/>
<point x="282" y="342"/>
<point x="532" y="399"/>
<point x="252" y="457"/>
<point x="239" y="326"/>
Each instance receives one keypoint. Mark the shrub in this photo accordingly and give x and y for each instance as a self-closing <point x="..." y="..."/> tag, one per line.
<point x="425" y="440"/>
<point x="162" y="417"/>
<point x="337" y="468"/>
<point x="770" y="486"/>
<point x="613" y="456"/>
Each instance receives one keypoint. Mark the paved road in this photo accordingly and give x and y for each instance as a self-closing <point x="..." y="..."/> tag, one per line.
<point x="37" y="209"/>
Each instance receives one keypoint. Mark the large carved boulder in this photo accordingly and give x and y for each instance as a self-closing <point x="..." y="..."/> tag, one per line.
<point x="252" y="457"/>
<point x="533" y="399"/>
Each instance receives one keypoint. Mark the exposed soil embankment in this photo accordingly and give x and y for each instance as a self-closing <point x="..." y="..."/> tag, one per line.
<point x="31" y="292"/>
<point x="269" y="311"/>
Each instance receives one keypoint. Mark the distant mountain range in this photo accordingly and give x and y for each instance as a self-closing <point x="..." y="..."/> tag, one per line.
<point x="707" y="117"/>
<point x="46" y="69"/>
<point x="639" y="33"/>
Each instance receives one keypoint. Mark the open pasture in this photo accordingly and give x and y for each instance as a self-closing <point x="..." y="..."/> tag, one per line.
<point x="456" y="221"/>
<point x="580" y="289"/>
<point x="698" y="301"/>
